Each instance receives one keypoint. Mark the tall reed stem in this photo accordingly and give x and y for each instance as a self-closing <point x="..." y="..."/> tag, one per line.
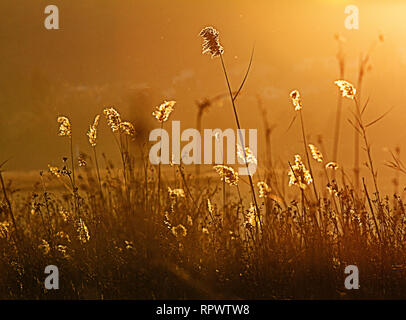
<point x="97" y="169"/>
<point x="159" y="172"/>
<point x="307" y="154"/>
<point x="72" y="162"/>
<point x="241" y="139"/>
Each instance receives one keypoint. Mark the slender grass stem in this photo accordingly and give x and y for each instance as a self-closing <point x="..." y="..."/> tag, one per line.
<point x="159" y="172"/>
<point x="241" y="139"/>
<point x="97" y="169"/>
<point x="307" y="154"/>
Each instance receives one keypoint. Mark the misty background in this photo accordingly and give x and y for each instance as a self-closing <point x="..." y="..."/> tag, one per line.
<point x="132" y="55"/>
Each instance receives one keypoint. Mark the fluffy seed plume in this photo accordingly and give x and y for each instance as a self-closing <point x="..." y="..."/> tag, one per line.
<point x="296" y="100"/>
<point x="264" y="189"/>
<point x="298" y="174"/>
<point x="113" y="118"/>
<point x="211" y="43"/>
<point x="332" y="165"/>
<point x="164" y="110"/>
<point x="65" y="129"/>
<point x="346" y="88"/>
<point x="316" y="154"/>
<point x="227" y="174"/>
<point x="127" y="128"/>
<point x="248" y="154"/>
<point x="92" y="133"/>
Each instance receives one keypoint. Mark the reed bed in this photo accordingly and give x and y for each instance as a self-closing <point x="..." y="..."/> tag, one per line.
<point x="143" y="231"/>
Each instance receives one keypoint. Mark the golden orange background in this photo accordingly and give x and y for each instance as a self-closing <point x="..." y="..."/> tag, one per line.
<point x="134" y="54"/>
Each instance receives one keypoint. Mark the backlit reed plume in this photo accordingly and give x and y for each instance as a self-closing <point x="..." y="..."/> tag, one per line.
<point x="127" y="128"/>
<point x="65" y="129"/>
<point x="332" y="165"/>
<point x="264" y="189"/>
<point x="211" y="43"/>
<point x="113" y="118"/>
<point x="316" y="154"/>
<point x="227" y="174"/>
<point x="164" y="110"/>
<point x="298" y="174"/>
<point x="346" y="88"/>
<point x="249" y="156"/>
<point x="296" y="100"/>
<point x="92" y="133"/>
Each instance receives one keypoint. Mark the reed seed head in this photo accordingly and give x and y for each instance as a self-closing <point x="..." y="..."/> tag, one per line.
<point x="164" y="110"/>
<point x="113" y="118"/>
<point x="346" y="88"/>
<point x="92" y="133"/>
<point x="227" y="174"/>
<point x="65" y="129"/>
<point x="127" y="128"/>
<point x="264" y="189"/>
<point x="249" y="155"/>
<point x="332" y="165"/>
<point x="316" y="154"/>
<point x="211" y="43"/>
<point x="296" y="100"/>
<point x="298" y="174"/>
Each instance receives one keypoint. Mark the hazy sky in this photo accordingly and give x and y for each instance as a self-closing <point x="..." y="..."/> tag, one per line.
<point x="134" y="54"/>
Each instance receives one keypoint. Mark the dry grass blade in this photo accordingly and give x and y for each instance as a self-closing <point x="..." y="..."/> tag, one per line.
<point x="291" y="123"/>
<point x="379" y="118"/>
<point x="245" y="76"/>
<point x="365" y="106"/>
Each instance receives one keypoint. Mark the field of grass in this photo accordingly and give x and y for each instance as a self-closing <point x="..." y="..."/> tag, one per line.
<point x="143" y="231"/>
